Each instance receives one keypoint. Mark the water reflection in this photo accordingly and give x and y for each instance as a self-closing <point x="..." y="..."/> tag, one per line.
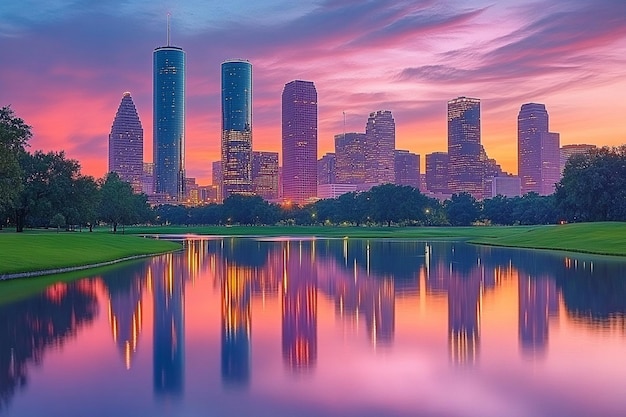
<point x="125" y="308"/>
<point x="423" y="305"/>
<point x="167" y="281"/>
<point x="31" y="326"/>
<point x="538" y="304"/>
<point x="299" y="307"/>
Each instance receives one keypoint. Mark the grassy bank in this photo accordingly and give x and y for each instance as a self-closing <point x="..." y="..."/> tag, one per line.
<point x="604" y="238"/>
<point x="338" y="231"/>
<point x="38" y="251"/>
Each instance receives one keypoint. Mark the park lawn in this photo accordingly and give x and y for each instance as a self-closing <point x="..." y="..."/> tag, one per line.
<point x="40" y="251"/>
<point x="603" y="238"/>
<point x="461" y="233"/>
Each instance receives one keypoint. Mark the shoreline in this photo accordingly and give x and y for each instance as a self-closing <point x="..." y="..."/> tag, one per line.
<point x="18" y="275"/>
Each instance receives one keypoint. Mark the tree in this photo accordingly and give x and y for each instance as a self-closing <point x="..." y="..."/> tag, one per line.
<point x="14" y="135"/>
<point x="58" y="221"/>
<point x="84" y="202"/>
<point x="116" y="201"/>
<point x="47" y="187"/>
<point x="593" y="187"/>
<point x="462" y="209"/>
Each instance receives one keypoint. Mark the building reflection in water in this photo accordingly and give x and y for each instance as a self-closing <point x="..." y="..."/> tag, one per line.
<point x="299" y="308"/>
<point x="31" y="326"/>
<point x="236" y="324"/>
<point x="363" y="285"/>
<point x="125" y="309"/>
<point x="167" y="279"/>
<point x="538" y="301"/>
<point x="462" y="276"/>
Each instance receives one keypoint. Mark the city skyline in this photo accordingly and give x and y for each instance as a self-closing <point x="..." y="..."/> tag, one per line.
<point x="410" y="60"/>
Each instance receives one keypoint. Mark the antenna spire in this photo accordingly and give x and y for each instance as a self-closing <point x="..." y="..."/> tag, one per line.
<point x="168" y="29"/>
<point x="344" y="124"/>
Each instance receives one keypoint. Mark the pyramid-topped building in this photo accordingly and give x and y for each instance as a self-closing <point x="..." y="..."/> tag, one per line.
<point x="126" y="144"/>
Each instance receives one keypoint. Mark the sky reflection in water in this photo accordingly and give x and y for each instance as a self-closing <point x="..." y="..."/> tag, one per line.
<point x="285" y="327"/>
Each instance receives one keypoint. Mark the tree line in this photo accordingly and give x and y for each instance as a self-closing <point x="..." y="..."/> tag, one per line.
<point x="48" y="190"/>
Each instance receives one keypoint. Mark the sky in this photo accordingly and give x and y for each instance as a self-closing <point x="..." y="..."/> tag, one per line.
<point x="65" y="64"/>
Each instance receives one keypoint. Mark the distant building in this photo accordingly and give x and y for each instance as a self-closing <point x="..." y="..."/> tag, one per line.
<point x="216" y="178"/>
<point x="567" y="151"/>
<point x="507" y="186"/>
<point x="465" y="168"/>
<point x="147" y="178"/>
<point x="407" y="168"/>
<point x="380" y="137"/>
<point x="299" y="141"/>
<point x="326" y="169"/>
<point x="550" y="166"/>
<point x="437" y="172"/>
<point x="265" y="174"/>
<point x="236" y="128"/>
<point x="192" y="193"/>
<point x="169" y="121"/>
<point x="126" y="144"/>
<point x="208" y="194"/>
<point x="326" y="191"/>
<point x="350" y="158"/>
<point x="538" y="159"/>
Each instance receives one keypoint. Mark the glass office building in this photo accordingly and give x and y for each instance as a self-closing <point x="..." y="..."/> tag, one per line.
<point x="236" y="127"/>
<point x="169" y="121"/>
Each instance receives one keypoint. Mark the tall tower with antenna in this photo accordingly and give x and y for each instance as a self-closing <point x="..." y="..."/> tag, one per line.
<point x="168" y="107"/>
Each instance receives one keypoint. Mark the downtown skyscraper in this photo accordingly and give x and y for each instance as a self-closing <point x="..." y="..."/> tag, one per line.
<point x="299" y="141"/>
<point x="465" y="168"/>
<point x="169" y="121"/>
<point x="538" y="150"/>
<point x="126" y="144"/>
<point x="236" y="127"/>
<point x="380" y="136"/>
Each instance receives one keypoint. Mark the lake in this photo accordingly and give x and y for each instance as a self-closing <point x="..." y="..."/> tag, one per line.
<point x="323" y="327"/>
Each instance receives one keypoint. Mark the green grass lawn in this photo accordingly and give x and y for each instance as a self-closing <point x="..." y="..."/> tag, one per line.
<point x="604" y="238"/>
<point x="337" y="231"/>
<point x="37" y="251"/>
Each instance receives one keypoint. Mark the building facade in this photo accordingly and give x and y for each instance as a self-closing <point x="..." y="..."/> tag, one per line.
<point x="407" y="169"/>
<point x="350" y="158"/>
<point x="532" y="122"/>
<point x="326" y="169"/>
<point x="550" y="162"/>
<point x="465" y="168"/>
<point x="299" y="141"/>
<point x="567" y="151"/>
<point x="236" y="144"/>
<point x="265" y="174"/>
<point x="437" y="172"/>
<point x="380" y="136"/>
<point x="126" y="144"/>
<point x="538" y="150"/>
<point x="169" y="122"/>
<point x="216" y="178"/>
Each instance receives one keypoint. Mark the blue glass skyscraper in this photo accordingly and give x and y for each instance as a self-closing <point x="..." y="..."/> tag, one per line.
<point x="169" y="121"/>
<point x="236" y="127"/>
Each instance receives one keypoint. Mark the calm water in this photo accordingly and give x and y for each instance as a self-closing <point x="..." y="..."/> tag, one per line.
<point x="289" y="327"/>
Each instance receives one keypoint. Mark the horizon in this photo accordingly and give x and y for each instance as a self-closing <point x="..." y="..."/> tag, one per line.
<point x="75" y="63"/>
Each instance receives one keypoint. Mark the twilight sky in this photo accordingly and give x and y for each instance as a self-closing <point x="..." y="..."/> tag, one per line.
<point x="66" y="63"/>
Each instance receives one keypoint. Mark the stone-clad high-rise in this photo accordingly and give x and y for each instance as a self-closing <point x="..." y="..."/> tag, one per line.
<point x="465" y="167"/>
<point x="299" y="141"/>
<point x="538" y="150"/>
<point x="126" y="144"/>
